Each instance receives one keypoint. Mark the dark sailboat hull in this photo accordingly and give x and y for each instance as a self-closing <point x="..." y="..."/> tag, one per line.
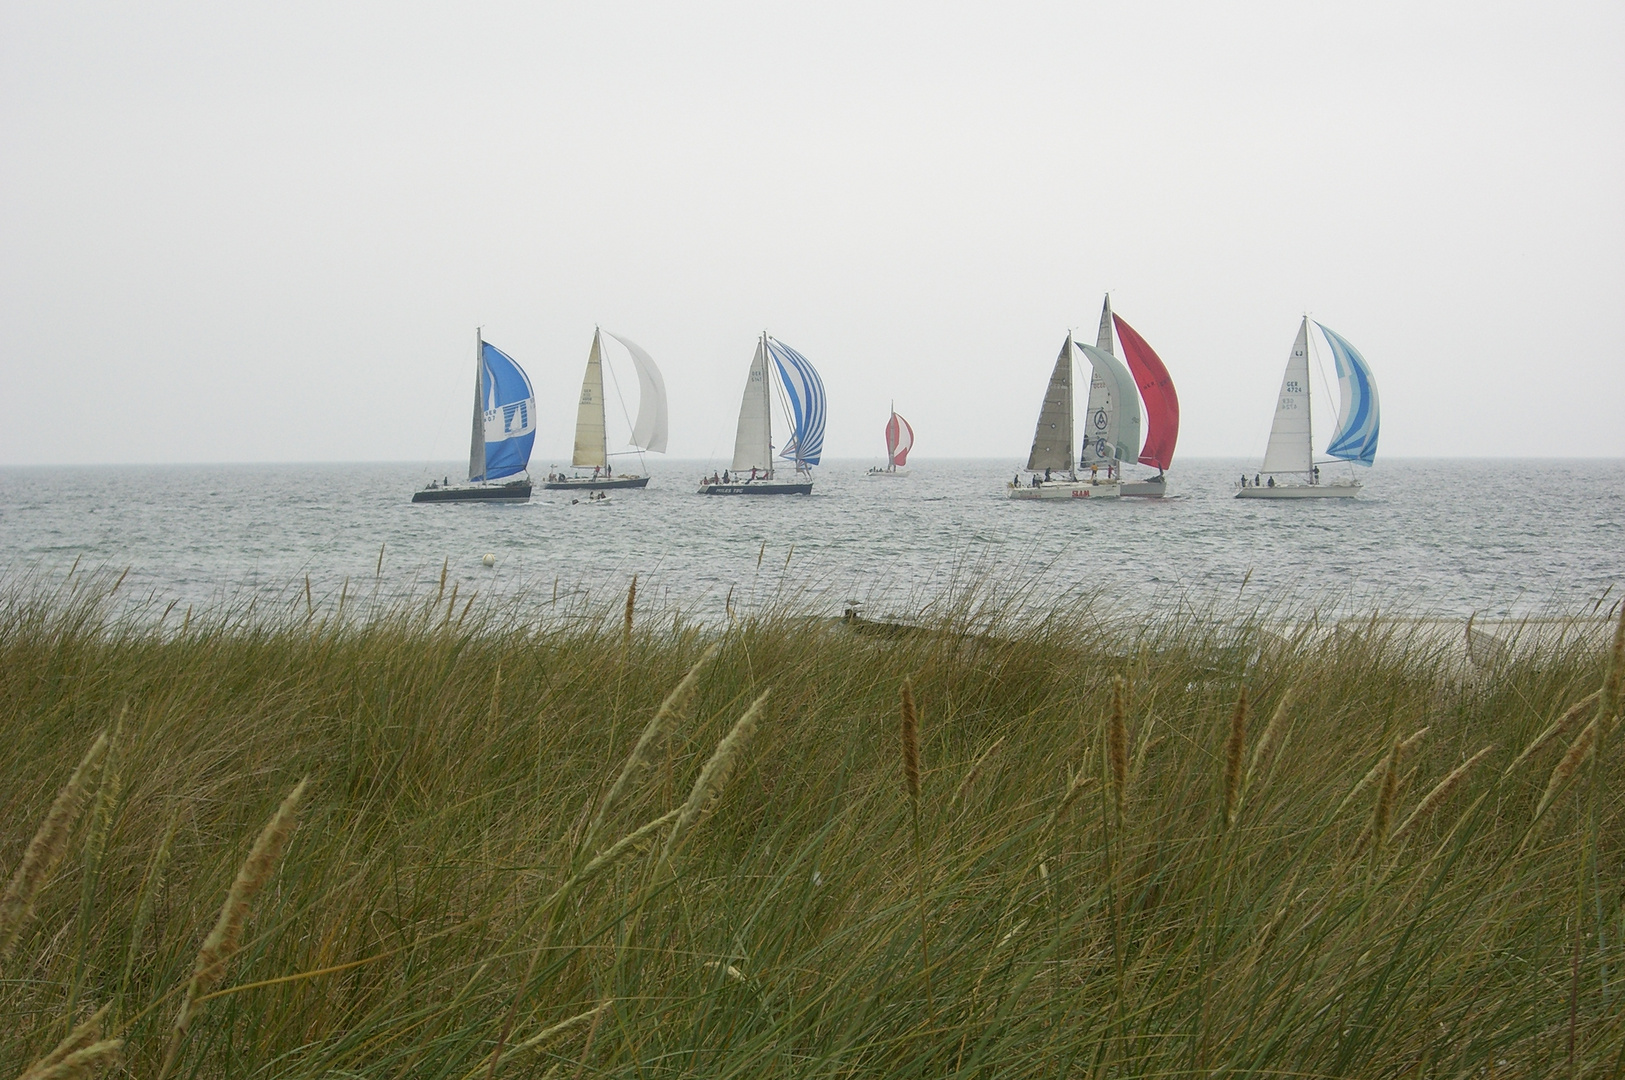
<point x="759" y="487"/>
<point x="518" y="491"/>
<point x="587" y="483"/>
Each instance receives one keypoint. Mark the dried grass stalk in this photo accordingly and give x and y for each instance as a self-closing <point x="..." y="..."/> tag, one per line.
<point x="226" y="937"/>
<point x="1441" y="791"/>
<point x="1382" y="813"/>
<point x="631" y="602"/>
<point x="50" y="843"/>
<point x="1566" y="767"/>
<point x="1117" y="744"/>
<point x="87" y="1033"/>
<point x="648" y="744"/>
<point x="975" y="770"/>
<point x="1232" y="758"/>
<point x="713" y="777"/>
<point x="1405" y="747"/>
<point x="910" y="730"/>
<point x="81" y="1063"/>
<point x="1267" y="742"/>
<point x="1558" y="729"/>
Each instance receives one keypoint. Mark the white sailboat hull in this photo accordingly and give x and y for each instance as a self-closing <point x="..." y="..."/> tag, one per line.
<point x="884" y="473"/>
<point x="1067" y="489"/>
<point x="1345" y="490"/>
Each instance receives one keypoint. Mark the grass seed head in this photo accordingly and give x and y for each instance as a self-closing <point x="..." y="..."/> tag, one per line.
<point x="1232" y="757"/>
<point x="910" y="730"/>
<point x="1268" y="740"/>
<point x="713" y="777"/>
<point x="648" y="744"/>
<point x="50" y="843"/>
<point x="1117" y="743"/>
<point x="1567" y="766"/>
<point x="80" y="1064"/>
<point x="631" y="603"/>
<point x="226" y="937"/>
<point x="1382" y="813"/>
<point x="1559" y="728"/>
<point x="1441" y="791"/>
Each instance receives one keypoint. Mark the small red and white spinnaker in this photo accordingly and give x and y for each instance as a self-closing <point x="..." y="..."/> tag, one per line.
<point x="899" y="441"/>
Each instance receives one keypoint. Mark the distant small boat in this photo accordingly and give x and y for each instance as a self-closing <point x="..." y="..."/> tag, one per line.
<point x="504" y="430"/>
<point x="806" y="405"/>
<point x="592" y="433"/>
<point x="1289" y="460"/>
<point x="899" y="441"/>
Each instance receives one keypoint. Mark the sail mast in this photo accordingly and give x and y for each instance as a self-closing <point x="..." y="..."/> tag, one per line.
<point x="767" y="408"/>
<point x="1308" y="401"/>
<point x="476" y="439"/>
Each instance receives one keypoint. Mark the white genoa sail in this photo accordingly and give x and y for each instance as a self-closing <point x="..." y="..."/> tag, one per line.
<point x="1289" y="448"/>
<point x="1112" y="424"/>
<point x="1052" y="439"/>
<point x="753" y="443"/>
<point x="649" y="431"/>
<point x="590" y="450"/>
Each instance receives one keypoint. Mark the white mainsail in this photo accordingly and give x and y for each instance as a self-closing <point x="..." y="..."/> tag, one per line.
<point x="753" y="444"/>
<point x="1289" y="448"/>
<point x="1052" y="439"/>
<point x="591" y="449"/>
<point x="1112" y="424"/>
<point x="649" y="431"/>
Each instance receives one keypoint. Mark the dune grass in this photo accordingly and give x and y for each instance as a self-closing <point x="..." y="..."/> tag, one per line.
<point x="618" y="845"/>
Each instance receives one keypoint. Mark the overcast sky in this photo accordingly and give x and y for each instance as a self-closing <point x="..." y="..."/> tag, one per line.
<point x="236" y="232"/>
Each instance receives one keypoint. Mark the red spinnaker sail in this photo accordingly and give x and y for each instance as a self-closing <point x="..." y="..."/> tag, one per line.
<point x="899" y="440"/>
<point x="1161" y="403"/>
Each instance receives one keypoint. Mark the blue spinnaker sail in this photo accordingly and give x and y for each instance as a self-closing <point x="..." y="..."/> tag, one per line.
<point x="510" y="414"/>
<point x="1358" y="417"/>
<point x="805" y="391"/>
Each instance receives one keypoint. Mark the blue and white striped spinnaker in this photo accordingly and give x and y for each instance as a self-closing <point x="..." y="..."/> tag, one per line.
<point x="808" y="406"/>
<point x="509" y="407"/>
<point x="1358" y="416"/>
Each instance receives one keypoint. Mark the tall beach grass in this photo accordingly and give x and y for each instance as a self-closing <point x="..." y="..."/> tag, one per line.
<point x="997" y="842"/>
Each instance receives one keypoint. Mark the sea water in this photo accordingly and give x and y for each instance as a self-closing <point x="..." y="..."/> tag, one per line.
<point x="1438" y="537"/>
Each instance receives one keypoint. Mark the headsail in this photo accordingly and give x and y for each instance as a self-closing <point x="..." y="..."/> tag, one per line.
<point x="649" y="431"/>
<point x="899" y="440"/>
<point x="1103" y="339"/>
<point x="1289" y="448"/>
<point x="1052" y="439"/>
<point x="753" y="443"/>
<point x="808" y="405"/>
<point x="508" y="409"/>
<point x="1157" y="388"/>
<point x="591" y="444"/>
<point x="1358" y="418"/>
<point x="1112" y="427"/>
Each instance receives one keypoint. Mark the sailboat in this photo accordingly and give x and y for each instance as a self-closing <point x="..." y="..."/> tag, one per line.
<point x="1289" y="458"/>
<point x="804" y="402"/>
<point x="592" y="434"/>
<point x="1156" y="388"/>
<point x="504" y="430"/>
<point x="899" y="441"/>
<point x="1114" y="430"/>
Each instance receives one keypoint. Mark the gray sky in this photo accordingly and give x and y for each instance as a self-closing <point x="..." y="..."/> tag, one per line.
<point x="241" y="233"/>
